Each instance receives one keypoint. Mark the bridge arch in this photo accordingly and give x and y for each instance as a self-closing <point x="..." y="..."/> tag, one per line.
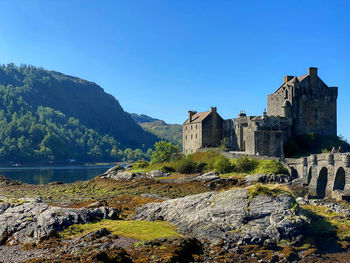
<point x="322" y="183"/>
<point x="339" y="181"/>
<point x="294" y="173"/>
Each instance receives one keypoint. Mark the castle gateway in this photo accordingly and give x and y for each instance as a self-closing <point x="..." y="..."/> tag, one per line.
<point x="301" y="105"/>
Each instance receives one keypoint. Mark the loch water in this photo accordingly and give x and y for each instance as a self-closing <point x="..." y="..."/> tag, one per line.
<point x="47" y="174"/>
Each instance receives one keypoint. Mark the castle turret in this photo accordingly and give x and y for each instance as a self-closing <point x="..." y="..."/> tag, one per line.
<point x="308" y="101"/>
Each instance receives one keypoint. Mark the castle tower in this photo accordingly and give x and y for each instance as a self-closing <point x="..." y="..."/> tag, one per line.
<point x="310" y="103"/>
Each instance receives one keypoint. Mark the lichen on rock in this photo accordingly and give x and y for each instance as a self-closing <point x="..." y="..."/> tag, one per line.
<point x="229" y="215"/>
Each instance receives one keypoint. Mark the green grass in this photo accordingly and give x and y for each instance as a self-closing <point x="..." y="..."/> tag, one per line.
<point x="142" y="230"/>
<point x="328" y="222"/>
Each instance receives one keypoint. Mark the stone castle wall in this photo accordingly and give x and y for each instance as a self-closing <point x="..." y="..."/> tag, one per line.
<point x="301" y="105"/>
<point x="192" y="137"/>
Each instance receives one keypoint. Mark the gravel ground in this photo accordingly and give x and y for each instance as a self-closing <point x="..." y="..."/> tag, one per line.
<point x="14" y="254"/>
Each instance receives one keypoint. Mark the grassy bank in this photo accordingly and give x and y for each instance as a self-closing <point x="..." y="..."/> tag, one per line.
<point x="201" y="162"/>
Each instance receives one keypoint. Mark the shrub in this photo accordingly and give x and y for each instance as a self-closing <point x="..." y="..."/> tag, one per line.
<point x="186" y="166"/>
<point x="208" y="157"/>
<point x="140" y="164"/>
<point x="271" y="167"/>
<point x="223" y="165"/>
<point x="164" y="151"/>
<point x="245" y="165"/>
<point x="167" y="169"/>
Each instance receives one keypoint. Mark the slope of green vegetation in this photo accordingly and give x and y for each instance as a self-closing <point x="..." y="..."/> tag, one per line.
<point x="165" y="131"/>
<point x="167" y="158"/>
<point x="77" y="98"/>
<point x="169" y="132"/>
<point x="48" y="116"/>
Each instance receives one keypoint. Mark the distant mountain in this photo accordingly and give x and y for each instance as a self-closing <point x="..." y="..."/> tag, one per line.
<point x="41" y="108"/>
<point x="169" y="132"/>
<point x="142" y="118"/>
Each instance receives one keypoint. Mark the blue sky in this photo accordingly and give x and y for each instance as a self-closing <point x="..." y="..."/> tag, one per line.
<point x="163" y="58"/>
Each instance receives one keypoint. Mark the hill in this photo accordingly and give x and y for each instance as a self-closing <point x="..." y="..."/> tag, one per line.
<point x="48" y="114"/>
<point x="169" y="132"/>
<point x="142" y="118"/>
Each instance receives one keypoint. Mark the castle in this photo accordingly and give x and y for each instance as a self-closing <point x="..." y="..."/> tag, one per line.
<point x="300" y="105"/>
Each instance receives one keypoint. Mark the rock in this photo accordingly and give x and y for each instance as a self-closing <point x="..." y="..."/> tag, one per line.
<point x="56" y="183"/>
<point x="33" y="222"/>
<point x="228" y="216"/>
<point x="207" y="177"/>
<point x="114" y="169"/>
<point x="102" y="232"/>
<point x="122" y="175"/>
<point x="5" y="181"/>
<point x="157" y="173"/>
<point x="95" y="204"/>
<point x="302" y="201"/>
<point x="268" y="178"/>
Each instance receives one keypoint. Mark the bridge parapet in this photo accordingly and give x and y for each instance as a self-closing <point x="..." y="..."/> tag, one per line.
<point x="326" y="174"/>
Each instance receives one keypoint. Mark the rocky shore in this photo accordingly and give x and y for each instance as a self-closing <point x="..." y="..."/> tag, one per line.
<point x="258" y="218"/>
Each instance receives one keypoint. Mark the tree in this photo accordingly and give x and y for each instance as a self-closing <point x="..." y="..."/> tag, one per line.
<point x="163" y="152"/>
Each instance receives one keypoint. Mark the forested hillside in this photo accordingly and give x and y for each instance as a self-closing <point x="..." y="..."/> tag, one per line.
<point x="46" y="115"/>
<point x="163" y="130"/>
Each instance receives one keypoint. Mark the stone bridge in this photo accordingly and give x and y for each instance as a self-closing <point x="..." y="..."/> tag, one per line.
<point x="327" y="174"/>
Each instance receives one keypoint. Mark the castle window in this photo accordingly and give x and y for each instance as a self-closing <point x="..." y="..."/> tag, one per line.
<point x="316" y="115"/>
<point x="196" y="126"/>
<point x="191" y="127"/>
<point x="286" y="97"/>
<point x="196" y="136"/>
<point x="186" y="128"/>
<point x="186" y="137"/>
<point x="191" y="136"/>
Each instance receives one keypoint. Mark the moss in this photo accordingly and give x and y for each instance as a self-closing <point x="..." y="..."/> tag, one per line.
<point x="269" y="190"/>
<point x="142" y="230"/>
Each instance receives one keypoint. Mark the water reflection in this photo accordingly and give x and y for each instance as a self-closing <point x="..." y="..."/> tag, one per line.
<point x="44" y="175"/>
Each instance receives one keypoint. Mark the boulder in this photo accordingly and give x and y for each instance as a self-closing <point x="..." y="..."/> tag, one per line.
<point x="229" y="216"/>
<point x="158" y="173"/>
<point x="123" y="175"/>
<point x="268" y="178"/>
<point x="35" y="221"/>
<point x="5" y="181"/>
<point x="207" y="177"/>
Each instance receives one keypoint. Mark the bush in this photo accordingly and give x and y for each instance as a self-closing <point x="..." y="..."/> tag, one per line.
<point x="223" y="165"/>
<point x="140" y="164"/>
<point x="208" y="157"/>
<point x="271" y="167"/>
<point x="245" y="165"/>
<point x="164" y="151"/>
<point x="186" y="166"/>
<point x="167" y="169"/>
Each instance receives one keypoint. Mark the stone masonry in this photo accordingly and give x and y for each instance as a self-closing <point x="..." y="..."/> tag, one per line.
<point x="300" y="105"/>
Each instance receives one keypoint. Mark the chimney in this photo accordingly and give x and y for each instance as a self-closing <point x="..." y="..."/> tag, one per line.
<point x="213" y="109"/>
<point x="287" y="78"/>
<point x="242" y="114"/>
<point x="265" y="112"/>
<point x="190" y="115"/>
<point x="312" y="71"/>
